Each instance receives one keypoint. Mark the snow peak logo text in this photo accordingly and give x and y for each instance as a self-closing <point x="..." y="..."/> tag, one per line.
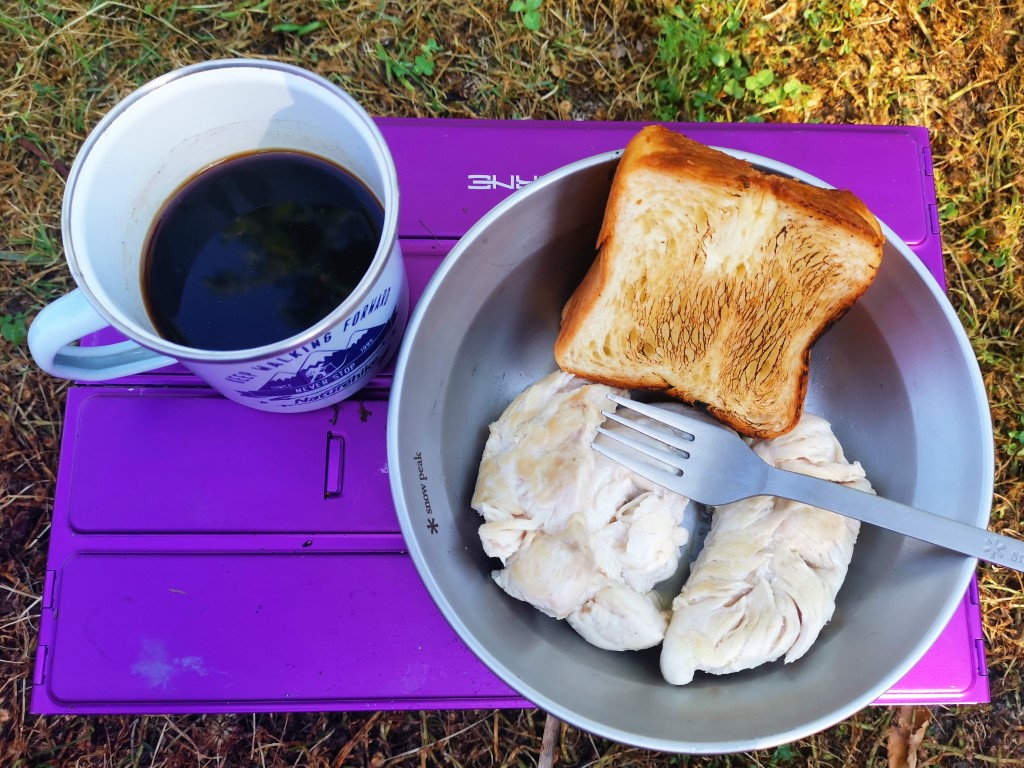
<point x="492" y="181"/>
<point x="431" y="521"/>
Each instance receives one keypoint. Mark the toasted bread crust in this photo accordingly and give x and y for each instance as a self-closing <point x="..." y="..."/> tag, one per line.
<point x="736" y="338"/>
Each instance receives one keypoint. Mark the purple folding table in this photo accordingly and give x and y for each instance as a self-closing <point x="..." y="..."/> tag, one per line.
<point x="206" y="557"/>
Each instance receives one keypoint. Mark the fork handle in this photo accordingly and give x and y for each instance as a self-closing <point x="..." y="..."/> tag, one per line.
<point x="885" y="513"/>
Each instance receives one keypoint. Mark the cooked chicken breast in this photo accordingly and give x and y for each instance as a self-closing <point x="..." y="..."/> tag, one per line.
<point x="579" y="536"/>
<point x="765" y="582"/>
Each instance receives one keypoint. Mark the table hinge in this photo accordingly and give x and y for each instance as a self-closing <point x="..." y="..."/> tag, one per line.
<point x="48" y="583"/>
<point x="39" y="673"/>
<point x="979" y="657"/>
<point x="334" y="471"/>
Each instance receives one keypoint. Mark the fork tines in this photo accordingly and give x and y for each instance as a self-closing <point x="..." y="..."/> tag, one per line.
<point x="676" y="436"/>
<point x="631" y="462"/>
<point x="670" y="435"/>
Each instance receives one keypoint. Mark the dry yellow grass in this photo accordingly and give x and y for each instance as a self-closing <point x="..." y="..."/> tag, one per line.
<point x="955" y="66"/>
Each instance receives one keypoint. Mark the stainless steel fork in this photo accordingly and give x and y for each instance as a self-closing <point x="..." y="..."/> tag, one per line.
<point x="709" y="463"/>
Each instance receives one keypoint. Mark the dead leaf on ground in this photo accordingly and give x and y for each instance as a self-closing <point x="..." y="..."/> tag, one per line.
<point x="906" y="735"/>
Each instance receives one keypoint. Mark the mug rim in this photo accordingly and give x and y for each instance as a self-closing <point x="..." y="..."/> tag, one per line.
<point x="370" y="279"/>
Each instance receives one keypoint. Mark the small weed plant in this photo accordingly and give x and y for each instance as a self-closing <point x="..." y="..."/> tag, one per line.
<point x="528" y="12"/>
<point x="407" y="65"/>
<point x="13" y="328"/>
<point x="710" y="74"/>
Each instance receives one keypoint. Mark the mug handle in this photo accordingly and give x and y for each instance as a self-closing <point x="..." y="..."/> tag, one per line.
<point x="68" y="319"/>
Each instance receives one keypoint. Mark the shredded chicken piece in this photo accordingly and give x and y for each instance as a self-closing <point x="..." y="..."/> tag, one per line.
<point x="766" y="580"/>
<point x="580" y="537"/>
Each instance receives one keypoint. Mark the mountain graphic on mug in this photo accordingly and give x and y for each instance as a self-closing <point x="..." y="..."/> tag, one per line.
<point x="325" y="366"/>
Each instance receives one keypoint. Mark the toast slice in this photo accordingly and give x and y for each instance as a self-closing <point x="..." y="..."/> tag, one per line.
<point x="713" y="280"/>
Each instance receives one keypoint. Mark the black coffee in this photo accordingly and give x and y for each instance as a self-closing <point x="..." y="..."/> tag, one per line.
<point x="256" y="249"/>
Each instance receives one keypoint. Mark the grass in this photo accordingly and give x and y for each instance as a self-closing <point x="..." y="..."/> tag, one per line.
<point x="955" y="66"/>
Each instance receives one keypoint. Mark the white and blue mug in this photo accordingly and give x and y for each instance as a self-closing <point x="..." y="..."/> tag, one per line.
<point x="146" y="148"/>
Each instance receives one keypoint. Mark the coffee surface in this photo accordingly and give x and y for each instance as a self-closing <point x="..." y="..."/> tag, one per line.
<point x="256" y="249"/>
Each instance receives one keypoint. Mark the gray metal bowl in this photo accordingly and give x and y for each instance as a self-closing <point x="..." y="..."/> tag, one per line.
<point x="896" y="377"/>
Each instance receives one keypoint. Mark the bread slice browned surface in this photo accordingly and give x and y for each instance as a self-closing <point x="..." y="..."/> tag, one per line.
<point x="713" y="280"/>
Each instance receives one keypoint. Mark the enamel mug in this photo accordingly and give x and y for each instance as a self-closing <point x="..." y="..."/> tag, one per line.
<point x="137" y="157"/>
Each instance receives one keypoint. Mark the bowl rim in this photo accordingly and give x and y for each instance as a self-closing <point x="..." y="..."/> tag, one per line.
<point x="423" y="568"/>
